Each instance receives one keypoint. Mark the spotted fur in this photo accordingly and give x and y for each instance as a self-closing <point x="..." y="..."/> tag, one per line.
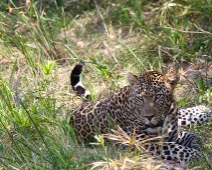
<point x="146" y="106"/>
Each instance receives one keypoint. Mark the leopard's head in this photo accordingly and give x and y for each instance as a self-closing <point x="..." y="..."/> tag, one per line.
<point x="151" y="95"/>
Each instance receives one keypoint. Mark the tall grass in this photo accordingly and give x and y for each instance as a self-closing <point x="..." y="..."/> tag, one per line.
<point x="40" y="43"/>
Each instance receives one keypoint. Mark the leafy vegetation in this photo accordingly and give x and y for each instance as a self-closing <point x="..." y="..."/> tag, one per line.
<point x="40" y="42"/>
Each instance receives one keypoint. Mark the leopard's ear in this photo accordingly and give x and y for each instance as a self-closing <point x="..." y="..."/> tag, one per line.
<point x="172" y="79"/>
<point x="131" y="78"/>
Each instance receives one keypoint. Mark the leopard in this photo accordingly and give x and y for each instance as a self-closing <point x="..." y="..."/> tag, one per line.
<point x="147" y="108"/>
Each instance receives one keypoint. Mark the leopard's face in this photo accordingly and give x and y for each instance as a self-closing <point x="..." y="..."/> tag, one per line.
<point x="151" y="95"/>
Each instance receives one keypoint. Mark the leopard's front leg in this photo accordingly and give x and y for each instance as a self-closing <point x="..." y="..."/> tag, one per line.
<point x="188" y="139"/>
<point x="173" y="151"/>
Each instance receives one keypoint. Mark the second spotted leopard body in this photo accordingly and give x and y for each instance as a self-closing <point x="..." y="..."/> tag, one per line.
<point x="147" y="106"/>
<point x="195" y="115"/>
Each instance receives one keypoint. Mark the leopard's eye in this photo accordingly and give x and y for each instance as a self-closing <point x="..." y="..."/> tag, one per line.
<point x="140" y="97"/>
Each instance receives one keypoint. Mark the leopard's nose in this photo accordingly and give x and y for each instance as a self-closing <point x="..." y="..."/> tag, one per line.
<point x="149" y="117"/>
